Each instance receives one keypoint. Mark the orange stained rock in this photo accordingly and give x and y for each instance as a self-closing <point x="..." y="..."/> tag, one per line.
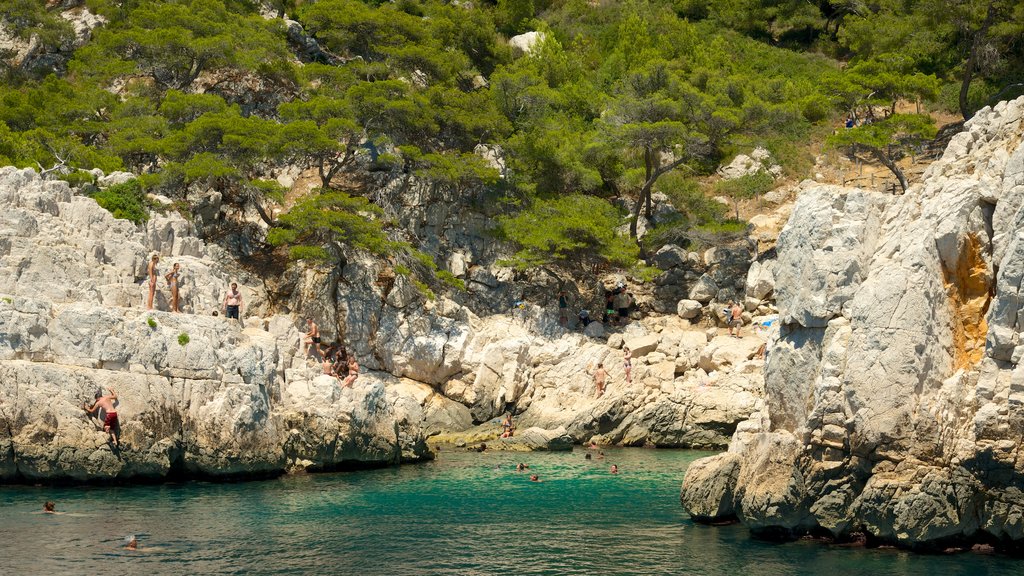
<point x="970" y="293"/>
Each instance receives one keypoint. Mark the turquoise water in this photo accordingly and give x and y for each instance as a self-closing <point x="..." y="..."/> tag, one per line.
<point x="458" y="515"/>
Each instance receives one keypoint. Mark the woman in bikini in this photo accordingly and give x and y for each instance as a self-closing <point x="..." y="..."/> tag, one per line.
<point x="153" y="273"/>
<point x="353" y="371"/>
<point x="627" y="364"/>
<point x="172" y="281"/>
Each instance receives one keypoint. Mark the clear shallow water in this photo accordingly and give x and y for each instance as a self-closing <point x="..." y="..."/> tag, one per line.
<point x="457" y="515"/>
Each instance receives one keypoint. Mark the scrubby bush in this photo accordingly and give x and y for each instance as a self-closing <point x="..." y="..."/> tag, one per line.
<point x="126" y="201"/>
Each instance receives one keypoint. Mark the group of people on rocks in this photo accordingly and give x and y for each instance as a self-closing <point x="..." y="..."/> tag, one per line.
<point x="334" y="359"/>
<point x="619" y="303"/>
<point x="232" y="304"/>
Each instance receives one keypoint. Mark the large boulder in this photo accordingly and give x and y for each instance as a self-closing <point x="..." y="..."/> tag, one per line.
<point x="893" y="388"/>
<point x="688" y="309"/>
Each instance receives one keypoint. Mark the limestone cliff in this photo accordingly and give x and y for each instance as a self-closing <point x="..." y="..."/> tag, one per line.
<point x="198" y="394"/>
<point x="894" y="394"/>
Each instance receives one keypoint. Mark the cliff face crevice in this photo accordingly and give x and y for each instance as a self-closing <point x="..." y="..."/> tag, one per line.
<point x="900" y="414"/>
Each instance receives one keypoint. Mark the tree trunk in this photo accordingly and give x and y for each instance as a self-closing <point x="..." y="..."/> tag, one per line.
<point x="888" y="163"/>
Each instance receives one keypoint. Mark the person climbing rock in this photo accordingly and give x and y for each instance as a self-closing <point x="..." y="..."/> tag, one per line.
<point x="233" y="302"/>
<point x="111" y="425"/>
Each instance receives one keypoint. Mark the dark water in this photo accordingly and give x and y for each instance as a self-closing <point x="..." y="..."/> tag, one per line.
<point x="455" y="516"/>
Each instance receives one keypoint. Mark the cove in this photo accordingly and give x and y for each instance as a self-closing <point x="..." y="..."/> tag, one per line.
<point x="465" y="513"/>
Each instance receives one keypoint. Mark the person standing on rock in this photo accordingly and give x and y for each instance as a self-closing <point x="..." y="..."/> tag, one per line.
<point x="173" y="278"/>
<point x="111" y="425"/>
<point x="627" y="364"/>
<point x="312" y="338"/>
<point x="600" y="376"/>
<point x="735" y="319"/>
<point x="233" y="302"/>
<point x="153" y="274"/>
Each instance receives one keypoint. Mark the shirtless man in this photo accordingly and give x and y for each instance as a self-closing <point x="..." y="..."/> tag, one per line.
<point x="233" y="302"/>
<point x="312" y="337"/>
<point x="353" y="371"/>
<point x="735" y="319"/>
<point x="110" y="423"/>
<point x="600" y="376"/>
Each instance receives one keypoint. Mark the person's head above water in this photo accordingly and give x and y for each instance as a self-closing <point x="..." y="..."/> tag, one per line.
<point x="534" y="478"/>
<point x="131" y="542"/>
<point x="49" y="506"/>
<point x="615" y="469"/>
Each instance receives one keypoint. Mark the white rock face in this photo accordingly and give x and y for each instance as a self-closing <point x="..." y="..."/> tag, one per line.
<point x="197" y="394"/>
<point x="688" y="309"/>
<point x="526" y="42"/>
<point x="743" y="165"/>
<point x="894" y="391"/>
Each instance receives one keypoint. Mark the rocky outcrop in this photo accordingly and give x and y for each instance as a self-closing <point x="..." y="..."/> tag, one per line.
<point x="198" y="394"/>
<point x="895" y="390"/>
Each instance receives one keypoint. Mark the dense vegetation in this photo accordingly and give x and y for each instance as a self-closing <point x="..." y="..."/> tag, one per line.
<point x="618" y="100"/>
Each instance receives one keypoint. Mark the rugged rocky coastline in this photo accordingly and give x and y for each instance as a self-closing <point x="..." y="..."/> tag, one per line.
<point x="202" y="396"/>
<point x="893" y="395"/>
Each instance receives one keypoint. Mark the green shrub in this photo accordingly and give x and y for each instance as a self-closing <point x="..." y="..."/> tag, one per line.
<point x="125" y="201"/>
<point x="78" y="178"/>
<point x="151" y="322"/>
<point x="183" y="339"/>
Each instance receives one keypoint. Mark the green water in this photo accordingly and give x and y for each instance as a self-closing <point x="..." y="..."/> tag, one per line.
<point x="458" y="515"/>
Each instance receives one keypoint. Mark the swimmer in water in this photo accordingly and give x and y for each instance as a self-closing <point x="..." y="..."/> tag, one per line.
<point x="615" y="469"/>
<point x="49" y="508"/>
<point x="131" y="543"/>
<point x="534" y="478"/>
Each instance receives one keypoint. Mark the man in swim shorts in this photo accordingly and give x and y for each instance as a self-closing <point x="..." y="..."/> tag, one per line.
<point x="110" y="423"/>
<point x="232" y="302"/>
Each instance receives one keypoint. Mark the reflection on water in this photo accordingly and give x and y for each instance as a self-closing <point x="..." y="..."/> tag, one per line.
<point x="458" y="515"/>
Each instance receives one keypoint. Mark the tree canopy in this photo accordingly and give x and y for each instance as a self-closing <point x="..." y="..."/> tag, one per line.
<point x="616" y="101"/>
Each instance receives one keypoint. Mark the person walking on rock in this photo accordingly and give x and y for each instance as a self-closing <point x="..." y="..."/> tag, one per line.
<point x="153" y="274"/>
<point x="173" y="277"/>
<point x="600" y="377"/>
<point x="111" y="425"/>
<point x="233" y="302"/>
<point x="735" y="319"/>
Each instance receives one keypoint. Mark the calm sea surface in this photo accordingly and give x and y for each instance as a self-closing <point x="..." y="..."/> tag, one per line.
<point x="466" y="513"/>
